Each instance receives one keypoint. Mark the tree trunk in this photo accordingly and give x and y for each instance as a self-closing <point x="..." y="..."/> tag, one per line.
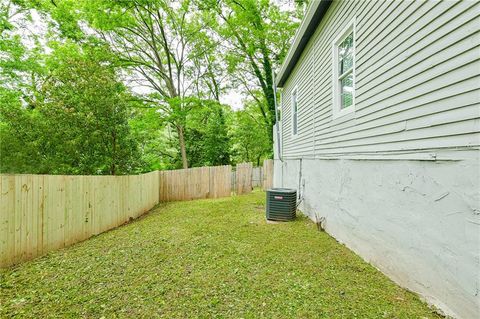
<point x="183" y="150"/>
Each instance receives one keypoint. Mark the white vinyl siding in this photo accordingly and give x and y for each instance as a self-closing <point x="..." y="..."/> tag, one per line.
<point x="416" y="81"/>
<point x="295" y="112"/>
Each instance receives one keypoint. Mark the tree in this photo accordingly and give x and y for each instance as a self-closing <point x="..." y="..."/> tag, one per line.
<point x="20" y="64"/>
<point x="153" y="139"/>
<point x="257" y="35"/>
<point x="249" y="135"/>
<point x="160" y="43"/>
<point x="177" y="59"/>
<point x="207" y="137"/>
<point x="20" y="69"/>
<point x="79" y="122"/>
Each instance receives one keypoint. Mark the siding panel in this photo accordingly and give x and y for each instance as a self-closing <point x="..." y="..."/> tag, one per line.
<point x="417" y="82"/>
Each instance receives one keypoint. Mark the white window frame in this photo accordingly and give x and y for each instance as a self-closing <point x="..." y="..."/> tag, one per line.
<point x="336" y="103"/>
<point x="294" y="95"/>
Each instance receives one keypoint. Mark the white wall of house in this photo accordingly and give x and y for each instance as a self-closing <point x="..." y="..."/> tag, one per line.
<point x="397" y="179"/>
<point x="417" y="221"/>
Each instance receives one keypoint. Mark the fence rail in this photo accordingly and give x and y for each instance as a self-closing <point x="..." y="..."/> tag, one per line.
<point x="41" y="213"/>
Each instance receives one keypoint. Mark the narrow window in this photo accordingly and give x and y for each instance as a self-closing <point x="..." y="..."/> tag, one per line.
<point x="294" y="112"/>
<point x="344" y="72"/>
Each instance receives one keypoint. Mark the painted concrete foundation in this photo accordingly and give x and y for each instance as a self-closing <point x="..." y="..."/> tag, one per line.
<point x="416" y="221"/>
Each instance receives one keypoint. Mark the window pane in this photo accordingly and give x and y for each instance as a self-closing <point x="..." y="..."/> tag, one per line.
<point x="345" y="54"/>
<point x="346" y="91"/>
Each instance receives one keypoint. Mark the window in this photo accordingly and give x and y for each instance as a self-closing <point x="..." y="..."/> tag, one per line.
<point x="294" y="112"/>
<point x="344" y="72"/>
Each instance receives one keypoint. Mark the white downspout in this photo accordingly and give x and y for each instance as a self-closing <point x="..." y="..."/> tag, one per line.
<point x="277" y="126"/>
<point x="276" y="115"/>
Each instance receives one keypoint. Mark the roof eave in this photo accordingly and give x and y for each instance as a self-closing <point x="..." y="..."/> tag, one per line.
<point x="313" y="17"/>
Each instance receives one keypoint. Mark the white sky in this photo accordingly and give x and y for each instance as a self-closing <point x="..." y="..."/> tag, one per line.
<point x="232" y="98"/>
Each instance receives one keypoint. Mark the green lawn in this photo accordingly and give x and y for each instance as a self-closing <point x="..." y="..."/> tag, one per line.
<point x="204" y="259"/>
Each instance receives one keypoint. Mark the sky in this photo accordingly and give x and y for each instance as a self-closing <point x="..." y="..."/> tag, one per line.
<point x="232" y="98"/>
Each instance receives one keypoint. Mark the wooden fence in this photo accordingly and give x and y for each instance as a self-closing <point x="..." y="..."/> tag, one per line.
<point x="267" y="174"/>
<point x="257" y="176"/>
<point x="40" y="213"/>
<point x="243" y="179"/>
<point x="195" y="183"/>
<point x="262" y="176"/>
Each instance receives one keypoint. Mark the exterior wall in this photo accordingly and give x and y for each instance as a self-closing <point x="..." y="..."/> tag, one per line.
<point x="417" y="221"/>
<point x="417" y="82"/>
<point x="398" y="179"/>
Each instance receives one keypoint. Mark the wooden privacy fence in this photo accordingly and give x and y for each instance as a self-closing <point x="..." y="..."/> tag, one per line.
<point x="262" y="176"/>
<point x="246" y="177"/>
<point x="195" y="183"/>
<point x="243" y="180"/>
<point x="257" y="176"/>
<point x="267" y="174"/>
<point x="40" y="213"/>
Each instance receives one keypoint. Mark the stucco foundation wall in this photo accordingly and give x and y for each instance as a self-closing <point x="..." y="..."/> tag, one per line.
<point x="417" y="221"/>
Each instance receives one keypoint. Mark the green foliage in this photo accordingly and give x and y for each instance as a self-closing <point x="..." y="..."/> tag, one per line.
<point x="78" y="123"/>
<point x="64" y="102"/>
<point x="257" y="35"/>
<point x="19" y="66"/>
<point x="162" y="45"/>
<point x="249" y="135"/>
<point x="19" y="130"/>
<point x="207" y="135"/>
<point x="206" y="259"/>
<point x="153" y="138"/>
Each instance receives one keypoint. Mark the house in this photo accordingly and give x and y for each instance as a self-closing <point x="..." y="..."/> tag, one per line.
<point x="380" y="136"/>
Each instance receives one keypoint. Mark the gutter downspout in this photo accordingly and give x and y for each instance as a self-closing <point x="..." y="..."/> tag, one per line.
<point x="276" y="114"/>
<point x="277" y="128"/>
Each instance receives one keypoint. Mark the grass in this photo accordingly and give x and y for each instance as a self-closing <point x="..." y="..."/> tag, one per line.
<point x="205" y="259"/>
